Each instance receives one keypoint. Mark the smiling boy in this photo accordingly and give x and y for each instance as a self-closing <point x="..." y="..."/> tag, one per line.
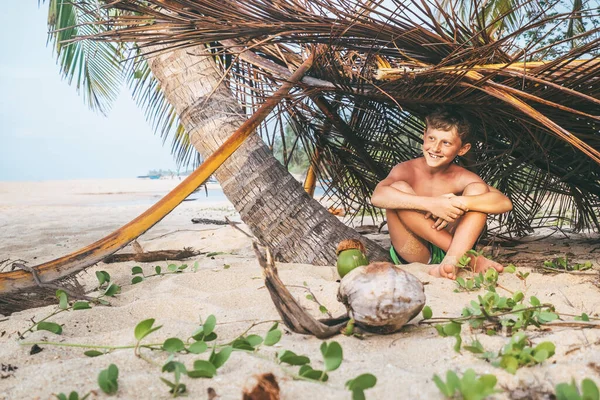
<point x="436" y="209"/>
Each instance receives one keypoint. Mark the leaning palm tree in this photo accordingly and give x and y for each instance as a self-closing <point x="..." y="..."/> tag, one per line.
<point x="183" y="95"/>
<point x="377" y="68"/>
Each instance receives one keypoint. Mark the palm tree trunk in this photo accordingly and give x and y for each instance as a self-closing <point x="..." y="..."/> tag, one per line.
<point x="270" y="201"/>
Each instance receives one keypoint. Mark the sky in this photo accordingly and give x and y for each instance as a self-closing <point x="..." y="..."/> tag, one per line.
<point x="46" y="130"/>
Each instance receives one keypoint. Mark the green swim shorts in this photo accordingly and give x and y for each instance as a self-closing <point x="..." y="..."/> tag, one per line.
<point x="437" y="255"/>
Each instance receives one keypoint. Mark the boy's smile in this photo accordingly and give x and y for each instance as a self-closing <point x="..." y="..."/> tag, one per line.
<point x="441" y="147"/>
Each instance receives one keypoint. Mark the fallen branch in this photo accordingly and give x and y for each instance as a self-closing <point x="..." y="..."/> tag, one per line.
<point x="151" y="256"/>
<point x="564" y="271"/>
<point x="292" y="314"/>
<point x="208" y="221"/>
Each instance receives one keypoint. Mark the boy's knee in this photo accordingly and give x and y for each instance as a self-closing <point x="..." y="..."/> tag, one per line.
<point x="476" y="188"/>
<point x="403" y="187"/>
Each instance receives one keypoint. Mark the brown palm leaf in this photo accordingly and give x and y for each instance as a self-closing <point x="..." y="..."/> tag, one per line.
<point x="380" y="68"/>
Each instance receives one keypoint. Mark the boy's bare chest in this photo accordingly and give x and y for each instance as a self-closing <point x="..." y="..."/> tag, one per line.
<point x="424" y="185"/>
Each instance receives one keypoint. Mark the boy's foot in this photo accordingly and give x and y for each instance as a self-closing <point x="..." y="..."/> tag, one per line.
<point x="482" y="264"/>
<point x="443" y="271"/>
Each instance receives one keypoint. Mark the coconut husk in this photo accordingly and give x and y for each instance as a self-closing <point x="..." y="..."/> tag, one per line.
<point x="266" y="388"/>
<point x="350" y="244"/>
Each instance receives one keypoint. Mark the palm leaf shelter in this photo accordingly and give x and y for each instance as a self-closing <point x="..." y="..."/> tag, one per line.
<point x="353" y="82"/>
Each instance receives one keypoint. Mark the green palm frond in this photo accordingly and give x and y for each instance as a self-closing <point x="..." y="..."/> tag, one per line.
<point x="94" y="67"/>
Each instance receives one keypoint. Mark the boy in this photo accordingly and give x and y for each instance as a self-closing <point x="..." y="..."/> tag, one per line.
<point x="436" y="209"/>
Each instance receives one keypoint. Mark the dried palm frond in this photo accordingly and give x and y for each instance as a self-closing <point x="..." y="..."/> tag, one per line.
<point x="381" y="67"/>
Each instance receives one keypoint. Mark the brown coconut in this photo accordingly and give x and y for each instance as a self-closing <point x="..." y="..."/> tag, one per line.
<point x="381" y="297"/>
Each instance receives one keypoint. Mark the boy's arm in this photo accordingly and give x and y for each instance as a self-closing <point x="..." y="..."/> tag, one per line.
<point x="492" y="202"/>
<point x="389" y="195"/>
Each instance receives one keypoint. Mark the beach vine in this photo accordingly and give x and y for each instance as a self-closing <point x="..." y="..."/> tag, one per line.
<point x="203" y="338"/>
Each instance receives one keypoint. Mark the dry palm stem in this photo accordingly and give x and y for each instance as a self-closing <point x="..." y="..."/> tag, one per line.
<point x="293" y="315"/>
<point x="15" y="281"/>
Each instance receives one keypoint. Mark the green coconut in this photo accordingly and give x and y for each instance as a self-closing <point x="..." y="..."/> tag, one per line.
<point x="351" y="254"/>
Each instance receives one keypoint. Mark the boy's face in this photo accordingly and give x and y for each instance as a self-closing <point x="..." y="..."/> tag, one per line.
<point x="441" y="147"/>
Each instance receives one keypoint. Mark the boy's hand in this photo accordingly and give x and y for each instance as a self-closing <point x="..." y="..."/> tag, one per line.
<point x="446" y="208"/>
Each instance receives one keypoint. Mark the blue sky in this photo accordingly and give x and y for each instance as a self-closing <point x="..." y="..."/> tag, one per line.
<point x="46" y="130"/>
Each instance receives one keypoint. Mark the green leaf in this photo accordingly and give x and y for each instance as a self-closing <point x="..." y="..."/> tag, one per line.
<point x="218" y="359"/>
<point x="81" y="305"/>
<point x="145" y="328"/>
<point x="540" y="356"/>
<point x="452" y="328"/>
<point x="358" y="395"/>
<point x="137" y="270"/>
<point x="63" y="301"/>
<point x="107" y="379"/>
<point x="453" y="382"/>
<point x="442" y="386"/>
<point x="332" y="355"/>
<point x="518" y="296"/>
<point x="102" y="277"/>
<point x="291" y="358"/>
<point x="242" y="344"/>
<point x="458" y="343"/>
<point x="362" y="382"/>
<point x="510" y="268"/>
<point x="427" y="313"/>
<point x="112" y="289"/>
<point x="306" y="371"/>
<point x="509" y="363"/>
<point x="158" y="269"/>
<point x="323" y="309"/>
<point x="310" y="297"/>
<point x="172" y="267"/>
<point x="61" y="396"/>
<point x="547" y="316"/>
<point x="173" y="345"/>
<point x="137" y="279"/>
<point x="182" y="267"/>
<point x="202" y="369"/>
<point x="475" y="347"/>
<point x="589" y="390"/>
<point x="583" y="317"/>
<point x="564" y="391"/>
<point x="50" y="327"/>
<point x="549" y="347"/>
<point x="273" y="336"/>
<point x="226" y="266"/>
<point x="535" y="301"/>
<point x="209" y="325"/>
<point x="198" y="347"/>
<point x="93" y="353"/>
<point x="254" y="340"/>
<point x="175" y="367"/>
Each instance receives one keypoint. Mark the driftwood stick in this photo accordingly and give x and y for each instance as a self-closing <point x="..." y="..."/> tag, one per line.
<point x="233" y="224"/>
<point x="292" y="314"/>
<point x="151" y="256"/>
<point x="564" y="271"/>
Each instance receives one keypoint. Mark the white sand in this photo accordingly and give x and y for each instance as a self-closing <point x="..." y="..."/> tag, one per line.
<point x="40" y="221"/>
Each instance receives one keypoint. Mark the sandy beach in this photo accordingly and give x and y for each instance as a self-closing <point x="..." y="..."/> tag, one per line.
<point x="40" y="221"/>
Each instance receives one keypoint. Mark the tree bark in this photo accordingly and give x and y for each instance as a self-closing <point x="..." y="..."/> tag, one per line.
<point x="270" y="201"/>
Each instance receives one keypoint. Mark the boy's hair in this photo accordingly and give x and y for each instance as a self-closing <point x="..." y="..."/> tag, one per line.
<point x="446" y="119"/>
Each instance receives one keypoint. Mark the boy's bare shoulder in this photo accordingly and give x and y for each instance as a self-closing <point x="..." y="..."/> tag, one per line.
<point x="463" y="176"/>
<point x="403" y="171"/>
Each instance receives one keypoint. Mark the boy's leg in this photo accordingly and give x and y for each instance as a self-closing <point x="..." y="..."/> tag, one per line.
<point x="468" y="229"/>
<point x="410" y="231"/>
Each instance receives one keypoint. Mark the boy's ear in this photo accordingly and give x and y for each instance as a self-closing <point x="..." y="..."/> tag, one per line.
<point x="463" y="150"/>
